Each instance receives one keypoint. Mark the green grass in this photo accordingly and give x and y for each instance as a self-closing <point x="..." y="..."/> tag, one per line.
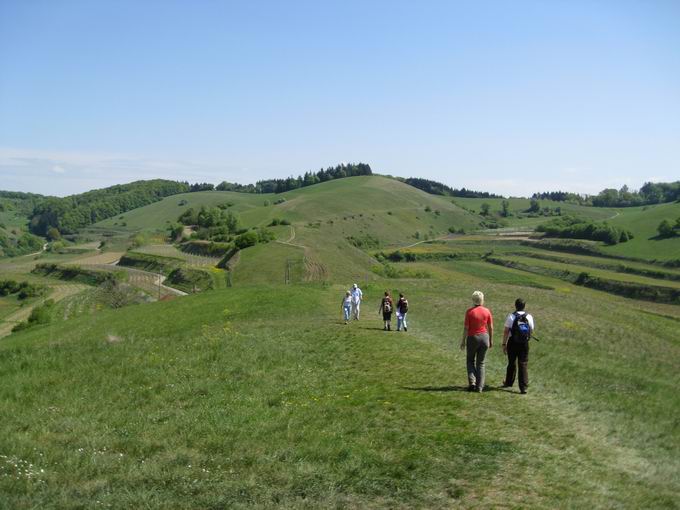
<point x="257" y="396"/>
<point x="600" y="273"/>
<point x="643" y="221"/>
<point x="159" y="215"/>
<point x="621" y="266"/>
<point x="249" y="397"/>
<point x="389" y="208"/>
<point x="521" y="205"/>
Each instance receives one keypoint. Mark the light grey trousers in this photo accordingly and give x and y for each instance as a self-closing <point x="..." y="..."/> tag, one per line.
<point x="477" y="345"/>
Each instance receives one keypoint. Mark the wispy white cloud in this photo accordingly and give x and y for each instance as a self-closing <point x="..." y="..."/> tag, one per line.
<point x="35" y="170"/>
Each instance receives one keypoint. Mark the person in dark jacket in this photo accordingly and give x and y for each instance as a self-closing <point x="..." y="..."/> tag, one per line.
<point x="519" y="326"/>
<point x="386" y="307"/>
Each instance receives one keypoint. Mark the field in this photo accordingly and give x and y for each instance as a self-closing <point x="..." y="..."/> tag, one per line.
<point x="273" y="401"/>
<point x="520" y="206"/>
<point x="643" y="221"/>
<point x="256" y="395"/>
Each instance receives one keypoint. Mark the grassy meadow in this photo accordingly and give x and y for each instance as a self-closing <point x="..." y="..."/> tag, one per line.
<point x="255" y="394"/>
<point x="260" y="396"/>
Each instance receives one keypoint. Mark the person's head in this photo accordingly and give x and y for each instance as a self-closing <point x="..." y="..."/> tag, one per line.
<point x="477" y="298"/>
<point x="387" y="293"/>
<point x="354" y="286"/>
<point x="401" y="294"/>
<point x="347" y="293"/>
<point x="519" y="304"/>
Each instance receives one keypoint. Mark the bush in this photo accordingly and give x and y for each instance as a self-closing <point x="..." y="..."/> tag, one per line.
<point x="575" y="228"/>
<point x="40" y="315"/>
<point x="665" y="229"/>
<point x="246" y="240"/>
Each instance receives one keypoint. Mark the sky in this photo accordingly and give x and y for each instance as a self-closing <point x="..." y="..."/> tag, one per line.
<point x="510" y="97"/>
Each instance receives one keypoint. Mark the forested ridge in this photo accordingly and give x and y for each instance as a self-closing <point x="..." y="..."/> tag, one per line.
<point x="70" y="213"/>
<point x="308" y="179"/>
<point x="437" y="188"/>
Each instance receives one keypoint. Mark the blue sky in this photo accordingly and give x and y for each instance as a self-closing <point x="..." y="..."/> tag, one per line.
<point x="505" y="96"/>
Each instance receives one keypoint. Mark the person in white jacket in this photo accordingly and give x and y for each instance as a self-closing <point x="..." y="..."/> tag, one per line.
<point x="357" y="298"/>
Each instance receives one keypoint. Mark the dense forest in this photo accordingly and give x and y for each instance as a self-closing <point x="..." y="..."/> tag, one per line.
<point x="437" y="188"/>
<point x="68" y="214"/>
<point x="301" y="181"/>
<point x="650" y="193"/>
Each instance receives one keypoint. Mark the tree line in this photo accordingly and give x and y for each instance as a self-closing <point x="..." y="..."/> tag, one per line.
<point x="650" y="193"/>
<point x="438" y="188"/>
<point x="301" y="181"/>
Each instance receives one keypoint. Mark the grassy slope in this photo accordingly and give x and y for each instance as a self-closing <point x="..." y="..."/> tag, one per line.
<point x="250" y="397"/>
<point x="643" y="221"/>
<point x="519" y="205"/>
<point x="323" y="216"/>
<point x="158" y="215"/>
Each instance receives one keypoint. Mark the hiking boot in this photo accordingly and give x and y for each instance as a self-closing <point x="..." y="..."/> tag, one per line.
<point x="523" y="392"/>
<point x="472" y="387"/>
<point x="405" y="328"/>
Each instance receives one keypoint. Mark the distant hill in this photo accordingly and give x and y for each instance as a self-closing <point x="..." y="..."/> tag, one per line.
<point x="643" y="222"/>
<point x="15" y="211"/>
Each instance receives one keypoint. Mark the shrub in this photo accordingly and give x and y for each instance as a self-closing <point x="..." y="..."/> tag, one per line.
<point x="39" y="315"/>
<point x="575" y="228"/>
<point x="246" y="240"/>
<point x="665" y="229"/>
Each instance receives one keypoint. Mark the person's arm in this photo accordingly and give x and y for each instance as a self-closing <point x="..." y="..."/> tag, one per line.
<point x="490" y="327"/>
<point x="465" y="332"/>
<point x="506" y="334"/>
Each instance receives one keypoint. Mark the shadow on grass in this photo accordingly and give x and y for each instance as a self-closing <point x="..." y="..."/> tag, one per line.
<point x="372" y="328"/>
<point x="458" y="388"/>
<point x="435" y="388"/>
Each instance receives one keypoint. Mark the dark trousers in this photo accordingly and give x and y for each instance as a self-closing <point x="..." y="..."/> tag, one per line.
<point x="517" y="352"/>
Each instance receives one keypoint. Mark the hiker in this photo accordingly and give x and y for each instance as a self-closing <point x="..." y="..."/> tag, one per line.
<point x="386" y="306"/>
<point x="478" y="338"/>
<point x="519" y="327"/>
<point x="402" y="309"/>
<point x="347" y="306"/>
<point x="357" y="298"/>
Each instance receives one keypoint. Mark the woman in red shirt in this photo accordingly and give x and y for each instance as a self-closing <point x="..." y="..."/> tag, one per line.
<point x="478" y="337"/>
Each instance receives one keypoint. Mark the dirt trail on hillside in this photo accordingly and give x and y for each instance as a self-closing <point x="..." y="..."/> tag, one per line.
<point x="314" y="269"/>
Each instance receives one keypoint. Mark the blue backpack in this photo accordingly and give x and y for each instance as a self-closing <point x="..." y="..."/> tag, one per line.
<point x="521" y="331"/>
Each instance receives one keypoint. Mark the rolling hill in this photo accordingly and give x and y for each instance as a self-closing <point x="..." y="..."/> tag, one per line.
<point x="643" y="221"/>
<point x="255" y="394"/>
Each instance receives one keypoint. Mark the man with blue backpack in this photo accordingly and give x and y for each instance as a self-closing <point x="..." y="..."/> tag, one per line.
<point x="519" y="327"/>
